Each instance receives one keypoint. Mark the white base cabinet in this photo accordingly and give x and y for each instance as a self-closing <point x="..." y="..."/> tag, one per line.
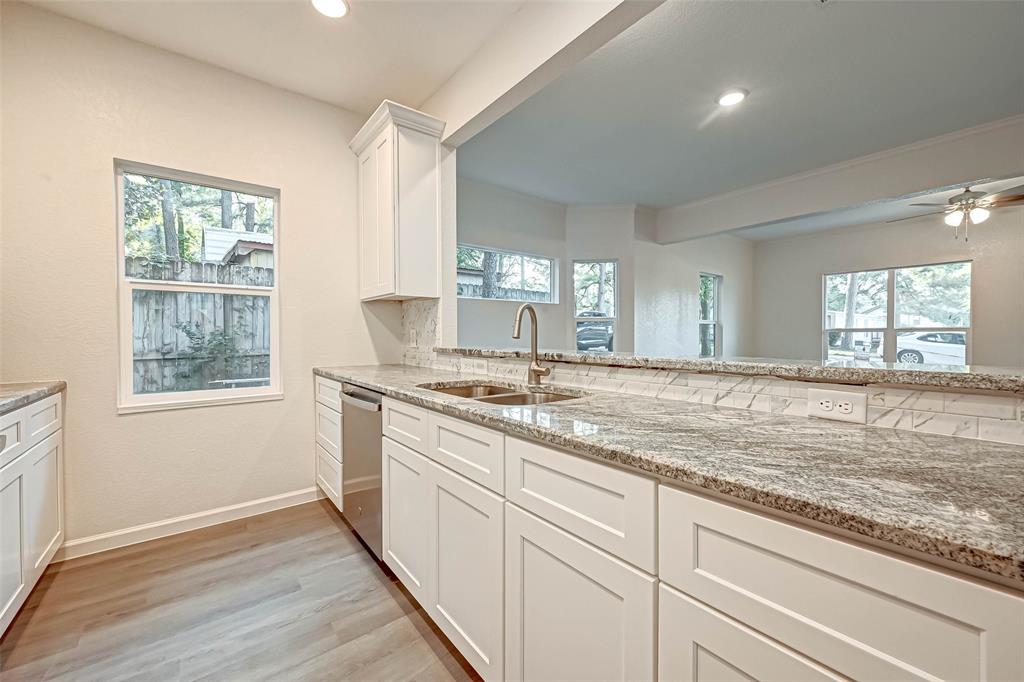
<point x="328" y="428"/>
<point x="573" y="612"/>
<point x="443" y="539"/>
<point x="31" y="504"/>
<point x="560" y="581"/>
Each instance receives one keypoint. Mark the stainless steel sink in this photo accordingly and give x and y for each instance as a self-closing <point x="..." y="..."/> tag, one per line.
<point x="469" y="391"/>
<point x="526" y="398"/>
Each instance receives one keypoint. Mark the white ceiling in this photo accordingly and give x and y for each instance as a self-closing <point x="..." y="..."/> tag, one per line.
<point x="402" y="50"/>
<point x="874" y="212"/>
<point x="637" y="121"/>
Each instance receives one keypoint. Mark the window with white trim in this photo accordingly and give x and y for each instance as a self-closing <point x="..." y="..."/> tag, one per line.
<point x="595" y="297"/>
<point x="915" y="314"/>
<point x="709" y="329"/>
<point x="483" y="272"/>
<point x="197" y="289"/>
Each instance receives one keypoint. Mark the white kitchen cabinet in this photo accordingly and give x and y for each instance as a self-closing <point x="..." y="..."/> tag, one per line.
<point x="467" y="597"/>
<point x="399" y="228"/>
<point x="572" y="611"/>
<point x="407" y="523"/>
<point x="328" y="428"/>
<point x="31" y="503"/>
<point x="859" y="611"/>
<point x="698" y="644"/>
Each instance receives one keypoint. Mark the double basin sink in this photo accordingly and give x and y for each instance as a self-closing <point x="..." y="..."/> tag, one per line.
<point x="500" y="395"/>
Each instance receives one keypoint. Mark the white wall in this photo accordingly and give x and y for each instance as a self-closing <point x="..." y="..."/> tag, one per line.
<point x="76" y="97"/>
<point x="788" y="272"/>
<point x="667" y="305"/>
<point x="605" y="233"/>
<point x="500" y="218"/>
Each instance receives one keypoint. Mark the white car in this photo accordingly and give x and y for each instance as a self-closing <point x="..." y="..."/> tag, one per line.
<point x="941" y="348"/>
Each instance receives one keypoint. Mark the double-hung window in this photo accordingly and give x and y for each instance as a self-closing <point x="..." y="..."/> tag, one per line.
<point x="913" y="315"/>
<point x="595" y="296"/>
<point x="709" y="330"/>
<point x="504" y="275"/>
<point x="197" y="289"/>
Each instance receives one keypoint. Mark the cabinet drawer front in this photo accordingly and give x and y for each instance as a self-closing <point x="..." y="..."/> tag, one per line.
<point x="475" y="452"/>
<point x="467" y="599"/>
<point x="328" y="476"/>
<point x="12" y="436"/>
<point x="573" y="612"/>
<point x="611" y="508"/>
<point x="42" y="418"/>
<point x="328" y="430"/>
<point x="328" y="392"/>
<point x="858" y="611"/>
<point x="406" y="424"/>
<point x="698" y="644"/>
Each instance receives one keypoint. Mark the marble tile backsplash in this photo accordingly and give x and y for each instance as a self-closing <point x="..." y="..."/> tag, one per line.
<point x="987" y="417"/>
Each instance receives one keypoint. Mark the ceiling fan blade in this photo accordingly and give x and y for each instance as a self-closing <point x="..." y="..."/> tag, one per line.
<point x="1013" y="192"/>
<point x="911" y="217"/>
<point x="1008" y="201"/>
<point x="944" y="204"/>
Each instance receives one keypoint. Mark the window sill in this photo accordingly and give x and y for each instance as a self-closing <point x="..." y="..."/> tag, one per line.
<point x="181" y="404"/>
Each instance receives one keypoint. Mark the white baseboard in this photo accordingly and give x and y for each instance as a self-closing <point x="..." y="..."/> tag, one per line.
<point x="180" y="524"/>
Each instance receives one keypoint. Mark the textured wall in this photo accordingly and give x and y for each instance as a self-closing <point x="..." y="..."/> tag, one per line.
<point x="74" y="98"/>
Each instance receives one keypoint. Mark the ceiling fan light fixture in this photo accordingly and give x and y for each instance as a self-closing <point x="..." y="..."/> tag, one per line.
<point x="954" y="219"/>
<point x="979" y="215"/>
<point x="732" y="97"/>
<point x="331" y="8"/>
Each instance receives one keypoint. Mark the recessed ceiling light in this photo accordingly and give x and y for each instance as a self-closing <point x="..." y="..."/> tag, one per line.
<point x="331" y="8"/>
<point x="731" y="98"/>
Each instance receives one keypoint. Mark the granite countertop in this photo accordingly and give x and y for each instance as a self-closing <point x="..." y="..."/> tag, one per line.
<point x="862" y="372"/>
<point x="954" y="498"/>
<point x="15" y="395"/>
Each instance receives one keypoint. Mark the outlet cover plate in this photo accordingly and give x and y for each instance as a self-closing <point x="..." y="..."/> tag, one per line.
<point x="857" y="405"/>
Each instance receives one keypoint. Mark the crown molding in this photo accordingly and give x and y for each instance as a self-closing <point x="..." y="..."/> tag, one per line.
<point x="392" y="112"/>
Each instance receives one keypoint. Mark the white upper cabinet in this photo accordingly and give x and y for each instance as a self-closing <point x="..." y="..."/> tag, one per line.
<point x="399" y="231"/>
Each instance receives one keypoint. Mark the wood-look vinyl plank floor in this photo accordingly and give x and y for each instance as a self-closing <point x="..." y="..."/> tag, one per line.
<point x="289" y="595"/>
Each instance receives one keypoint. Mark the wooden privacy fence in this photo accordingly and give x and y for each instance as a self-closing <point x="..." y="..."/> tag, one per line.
<point x="473" y="290"/>
<point x="185" y="341"/>
<point x="200" y="272"/>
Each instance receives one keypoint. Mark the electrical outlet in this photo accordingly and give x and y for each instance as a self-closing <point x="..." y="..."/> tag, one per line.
<point x="846" y="406"/>
<point x="413" y="341"/>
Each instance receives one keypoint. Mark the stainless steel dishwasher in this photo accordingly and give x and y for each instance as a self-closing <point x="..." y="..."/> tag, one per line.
<point x="361" y="465"/>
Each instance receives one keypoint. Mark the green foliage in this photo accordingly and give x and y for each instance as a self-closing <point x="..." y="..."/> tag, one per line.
<point x="469" y="258"/>
<point x="194" y="207"/>
<point x="215" y="347"/>
<point x="594" y="287"/>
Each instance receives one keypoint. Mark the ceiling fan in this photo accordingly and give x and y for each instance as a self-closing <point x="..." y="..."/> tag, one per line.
<point x="971" y="208"/>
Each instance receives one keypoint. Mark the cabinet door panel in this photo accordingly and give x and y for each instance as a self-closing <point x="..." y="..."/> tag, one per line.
<point x="467" y="596"/>
<point x="13" y="577"/>
<point x="408" y="527"/>
<point x="698" y="644"/>
<point x="573" y="612"/>
<point x="43" y="508"/>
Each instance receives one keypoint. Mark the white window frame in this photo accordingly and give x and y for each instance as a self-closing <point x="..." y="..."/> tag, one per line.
<point x="129" y="402"/>
<point x="715" y="321"/>
<point x="612" y="320"/>
<point x="891" y="332"/>
<point x="553" y="279"/>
